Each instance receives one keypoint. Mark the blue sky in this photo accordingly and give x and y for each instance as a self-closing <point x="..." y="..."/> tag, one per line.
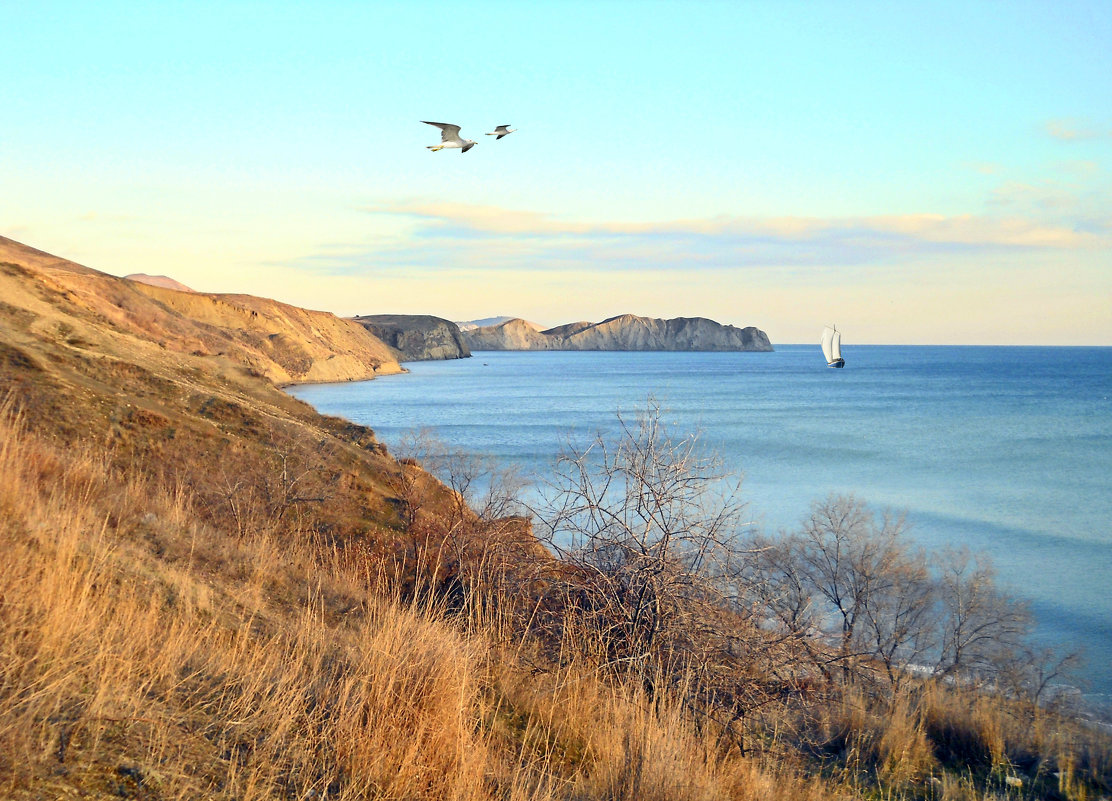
<point x="927" y="172"/>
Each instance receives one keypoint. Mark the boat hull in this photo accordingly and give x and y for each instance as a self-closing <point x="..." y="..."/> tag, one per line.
<point x="837" y="363"/>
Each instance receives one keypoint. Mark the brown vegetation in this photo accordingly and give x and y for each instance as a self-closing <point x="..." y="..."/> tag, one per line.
<point x="149" y="654"/>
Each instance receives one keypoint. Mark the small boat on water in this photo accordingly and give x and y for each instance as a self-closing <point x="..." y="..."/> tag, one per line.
<point x="832" y="346"/>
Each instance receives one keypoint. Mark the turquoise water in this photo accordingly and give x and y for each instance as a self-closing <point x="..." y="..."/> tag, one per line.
<point x="1007" y="450"/>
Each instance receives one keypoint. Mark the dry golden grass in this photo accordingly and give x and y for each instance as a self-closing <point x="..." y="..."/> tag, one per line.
<point x="250" y="668"/>
<point x="114" y="661"/>
<point x="886" y="744"/>
<point x="147" y="653"/>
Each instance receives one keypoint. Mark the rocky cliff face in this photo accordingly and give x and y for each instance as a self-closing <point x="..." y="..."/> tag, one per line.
<point x="417" y="337"/>
<point x="625" y="332"/>
<point x="471" y="325"/>
<point x="513" y="334"/>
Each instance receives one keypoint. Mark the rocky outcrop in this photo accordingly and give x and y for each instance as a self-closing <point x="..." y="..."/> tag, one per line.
<point x="568" y="329"/>
<point x="471" y="325"/>
<point x="511" y="335"/>
<point x="417" y="337"/>
<point x="625" y="332"/>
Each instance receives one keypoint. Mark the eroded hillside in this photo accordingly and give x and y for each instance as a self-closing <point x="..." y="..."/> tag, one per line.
<point x="186" y="385"/>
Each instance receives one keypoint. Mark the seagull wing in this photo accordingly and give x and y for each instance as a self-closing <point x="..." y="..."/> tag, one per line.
<point x="503" y="128"/>
<point x="448" y="132"/>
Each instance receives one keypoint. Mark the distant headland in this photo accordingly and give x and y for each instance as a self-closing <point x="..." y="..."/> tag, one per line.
<point x="624" y="332"/>
<point x="417" y="337"/>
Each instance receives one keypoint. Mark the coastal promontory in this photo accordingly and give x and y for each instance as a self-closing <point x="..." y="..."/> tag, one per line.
<point x="53" y="306"/>
<point x="624" y="332"/>
<point x="417" y="337"/>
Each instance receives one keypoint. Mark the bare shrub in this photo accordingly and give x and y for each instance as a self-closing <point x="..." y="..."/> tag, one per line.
<point x="264" y="491"/>
<point x="980" y="626"/>
<point x="647" y="530"/>
<point x="855" y="595"/>
<point x="466" y="541"/>
<point x="851" y="581"/>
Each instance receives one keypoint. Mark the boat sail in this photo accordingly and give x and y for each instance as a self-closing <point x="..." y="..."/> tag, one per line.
<point x="832" y="347"/>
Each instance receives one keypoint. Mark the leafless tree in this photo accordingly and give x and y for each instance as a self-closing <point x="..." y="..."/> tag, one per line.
<point x="1032" y="673"/>
<point x="900" y="614"/>
<point x="849" y="559"/>
<point x="980" y="626"/>
<point x="647" y="530"/>
<point x="775" y="583"/>
<point x="848" y="588"/>
<point x="407" y="482"/>
<point x="850" y="579"/>
<point x="479" y="484"/>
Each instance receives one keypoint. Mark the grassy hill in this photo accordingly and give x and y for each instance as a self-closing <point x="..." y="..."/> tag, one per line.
<point x="210" y="591"/>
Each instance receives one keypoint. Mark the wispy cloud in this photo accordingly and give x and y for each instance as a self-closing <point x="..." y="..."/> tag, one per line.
<point x="984" y="167"/>
<point x="459" y="237"/>
<point x="1073" y="130"/>
<point x="444" y="219"/>
<point x="1083" y="210"/>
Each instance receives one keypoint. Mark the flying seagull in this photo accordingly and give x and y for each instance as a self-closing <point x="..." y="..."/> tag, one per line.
<point x="449" y="137"/>
<point x="502" y="130"/>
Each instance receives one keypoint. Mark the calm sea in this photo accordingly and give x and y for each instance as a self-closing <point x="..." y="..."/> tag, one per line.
<point x="1005" y="449"/>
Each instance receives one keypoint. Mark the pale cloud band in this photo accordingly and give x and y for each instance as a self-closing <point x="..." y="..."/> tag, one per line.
<point x="1073" y="130"/>
<point x="452" y="236"/>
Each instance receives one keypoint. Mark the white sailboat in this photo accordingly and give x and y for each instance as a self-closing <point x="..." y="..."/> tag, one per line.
<point x="832" y="346"/>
